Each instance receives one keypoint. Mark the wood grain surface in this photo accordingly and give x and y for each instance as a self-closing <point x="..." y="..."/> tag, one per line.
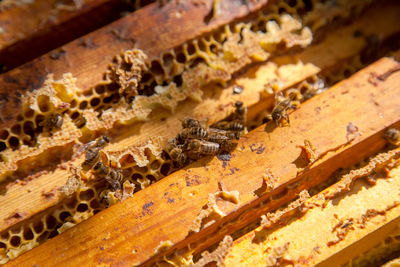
<point x="32" y="29"/>
<point x="153" y="29"/>
<point x="140" y="223"/>
<point x="27" y="198"/>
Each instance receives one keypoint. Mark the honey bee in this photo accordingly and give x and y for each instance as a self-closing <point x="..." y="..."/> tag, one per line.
<point x="171" y="144"/>
<point x="215" y="134"/>
<point x="190" y="123"/>
<point x="54" y="121"/>
<point x="202" y="147"/>
<point x="309" y="93"/>
<point x="112" y="176"/>
<point x="392" y="135"/>
<point x="194" y="132"/>
<point x="236" y="121"/>
<point x="223" y="138"/>
<point x="240" y="112"/>
<point x="314" y="89"/>
<point x="280" y="110"/>
<point x="178" y="155"/>
<point x="294" y="94"/>
<point x="239" y="107"/>
<point x="229" y="126"/>
<point x="218" y="138"/>
<point x="176" y="152"/>
<point x="92" y="150"/>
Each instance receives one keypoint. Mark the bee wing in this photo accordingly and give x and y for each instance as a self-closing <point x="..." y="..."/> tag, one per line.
<point x="83" y="148"/>
<point x="204" y="123"/>
<point x="216" y="131"/>
<point x="279" y="97"/>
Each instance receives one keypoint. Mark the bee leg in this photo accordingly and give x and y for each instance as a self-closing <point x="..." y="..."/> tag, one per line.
<point x="106" y="201"/>
<point x="287" y="118"/>
<point x="295" y="104"/>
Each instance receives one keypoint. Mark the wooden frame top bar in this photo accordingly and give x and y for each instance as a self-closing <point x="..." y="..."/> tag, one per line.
<point x="30" y="29"/>
<point x="152" y="28"/>
<point x="129" y="232"/>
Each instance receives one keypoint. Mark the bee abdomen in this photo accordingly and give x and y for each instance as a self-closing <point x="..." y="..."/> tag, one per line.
<point x="91" y="156"/>
<point x="194" y="132"/>
<point x="209" y="148"/>
<point x="230" y="126"/>
<point x="217" y="138"/>
<point x="235" y="126"/>
<point x="115" y="184"/>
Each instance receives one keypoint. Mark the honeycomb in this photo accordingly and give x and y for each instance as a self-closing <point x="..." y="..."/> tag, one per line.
<point x="143" y="165"/>
<point x="176" y="75"/>
<point x="212" y="212"/>
<point x="284" y="215"/>
<point x="87" y="198"/>
<point x="389" y="159"/>
<point x="315" y="84"/>
<point x="258" y="39"/>
<point x="217" y="256"/>
<point x="103" y="106"/>
<point x="379" y="254"/>
<point x="19" y="239"/>
<point x="164" y="82"/>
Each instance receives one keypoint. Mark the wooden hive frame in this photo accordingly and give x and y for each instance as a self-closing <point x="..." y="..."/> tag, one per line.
<point x="40" y="26"/>
<point x="272" y="180"/>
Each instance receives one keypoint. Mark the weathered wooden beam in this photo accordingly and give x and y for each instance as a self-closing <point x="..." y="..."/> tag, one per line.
<point x="342" y="45"/>
<point x="29" y="30"/>
<point x="153" y="29"/>
<point x="360" y="245"/>
<point x="328" y="232"/>
<point x="130" y="231"/>
<point x="214" y="108"/>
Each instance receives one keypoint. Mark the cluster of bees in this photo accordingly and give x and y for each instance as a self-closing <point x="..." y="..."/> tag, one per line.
<point x="197" y="140"/>
<point x="103" y="170"/>
<point x="92" y="157"/>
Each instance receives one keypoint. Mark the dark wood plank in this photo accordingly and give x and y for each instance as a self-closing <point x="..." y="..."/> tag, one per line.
<point x="129" y="232"/>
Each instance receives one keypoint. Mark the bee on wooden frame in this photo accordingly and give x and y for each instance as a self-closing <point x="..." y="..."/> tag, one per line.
<point x="192" y="132"/>
<point x="236" y="121"/>
<point x="178" y="155"/>
<point x="175" y="151"/>
<point x="281" y="108"/>
<point x="92" y="150"/>
<point x="240" y="112"/>
<point x="202" y="147"/>
<point x="230" y="126"/>
<point x="191" y="123"/>
<point x="112" y="176"/>
<point x="217" y="135"/>
<point x="313" y="89"/>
